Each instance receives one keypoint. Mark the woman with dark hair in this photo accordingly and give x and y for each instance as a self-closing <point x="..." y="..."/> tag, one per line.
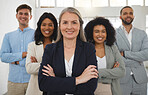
<point x="69" y="65"/>
<point x="101" y="33"/>
<point x="45" y="33"/>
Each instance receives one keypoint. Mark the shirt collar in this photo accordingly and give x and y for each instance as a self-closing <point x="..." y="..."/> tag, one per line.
<point x="123" y="28"/>
<point x="25" y="29"/>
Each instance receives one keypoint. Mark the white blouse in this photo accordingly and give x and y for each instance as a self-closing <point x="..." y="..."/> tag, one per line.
<point x="68" y="66"/>
<point x="101" y="62"/>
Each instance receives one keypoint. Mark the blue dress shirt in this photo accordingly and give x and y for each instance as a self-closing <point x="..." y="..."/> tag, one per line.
<point x="14" y="44"/>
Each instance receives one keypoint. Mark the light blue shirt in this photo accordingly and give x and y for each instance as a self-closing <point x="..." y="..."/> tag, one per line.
<point x="14" y="44"/>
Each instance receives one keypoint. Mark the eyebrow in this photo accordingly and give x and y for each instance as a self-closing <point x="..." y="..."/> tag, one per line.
<point x="98" y="29"/>
<point x="72" y="20"/>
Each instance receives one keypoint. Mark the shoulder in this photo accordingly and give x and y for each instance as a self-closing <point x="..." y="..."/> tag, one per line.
<point x="88" y="46"/>
<point x="32" y="44"/>
<point x="112" y="48"/>
<point x="30" y="29"/>
<point x="51" y="46"/>
<point x="139" y="34"/>
<point x="12" y="33"/>
<point x="118" y="29"/>
<point x="139" y="31"/>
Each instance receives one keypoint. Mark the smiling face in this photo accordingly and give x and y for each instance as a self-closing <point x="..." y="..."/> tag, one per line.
<point x="47" y="28"/>
<point x="69" y="25"/>
<point x="127" y="16"/>
<point x="23" y="16"/>
<point x="99" y="34"/>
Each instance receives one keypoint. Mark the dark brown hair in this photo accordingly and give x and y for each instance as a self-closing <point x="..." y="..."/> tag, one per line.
<point x="24" y="6"/>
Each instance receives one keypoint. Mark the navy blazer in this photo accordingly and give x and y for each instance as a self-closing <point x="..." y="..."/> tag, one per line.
<point x="59" y="85"/>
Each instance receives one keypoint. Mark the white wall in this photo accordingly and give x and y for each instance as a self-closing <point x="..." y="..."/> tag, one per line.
<point x="8" y="23"/>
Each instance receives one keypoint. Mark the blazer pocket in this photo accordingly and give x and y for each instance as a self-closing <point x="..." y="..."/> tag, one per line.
<point x="125" y="79"/>
<point x="140" y="74"/>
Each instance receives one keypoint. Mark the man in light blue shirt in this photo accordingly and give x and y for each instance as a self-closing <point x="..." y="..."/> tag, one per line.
<point x="14" y="51"/>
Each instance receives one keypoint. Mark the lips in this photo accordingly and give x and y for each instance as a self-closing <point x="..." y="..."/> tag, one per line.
<point x="23" y="19"/>
<point x="69" y="32"/>
<point x="99" y="38"/>
<point x="128" y="19"/>
<point x="47" y="32"/>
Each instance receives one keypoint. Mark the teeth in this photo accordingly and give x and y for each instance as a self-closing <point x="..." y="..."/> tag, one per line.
<point x="100" y="38"/>
<point x="46" y="31"/>
<point x="69" y="32"/>
<point x="23" y="19"/>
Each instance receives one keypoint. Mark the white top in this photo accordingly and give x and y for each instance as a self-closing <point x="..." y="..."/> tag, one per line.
<point x="68" y="66"/>
<point x="101" y="62"/>
<point x="128" y="35"/>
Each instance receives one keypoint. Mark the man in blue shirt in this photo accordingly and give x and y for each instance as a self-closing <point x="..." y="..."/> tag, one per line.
<point x="14" y="51"/>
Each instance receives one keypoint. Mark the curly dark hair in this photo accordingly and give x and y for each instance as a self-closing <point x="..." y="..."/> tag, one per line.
<point x="38" y="36"/>
<point x="110" y="39"/>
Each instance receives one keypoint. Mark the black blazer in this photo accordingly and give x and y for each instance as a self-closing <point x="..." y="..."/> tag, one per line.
<point x="59" y="85"/>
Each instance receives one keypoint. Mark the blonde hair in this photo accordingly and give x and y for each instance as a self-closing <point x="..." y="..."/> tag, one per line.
<point x="81" y="32"/>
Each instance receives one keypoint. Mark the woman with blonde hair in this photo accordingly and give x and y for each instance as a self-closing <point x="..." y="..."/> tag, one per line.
<point x="69" y="65"/>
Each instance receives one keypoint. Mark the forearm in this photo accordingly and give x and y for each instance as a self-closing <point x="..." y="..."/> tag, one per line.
<point x="11" y="57"/>
<point x="32" y="68"/>
<point x="137" y="56"/>
<point x="57" y="84"/>
<point x="87" y="88"/>
<point x="111" y="73"/>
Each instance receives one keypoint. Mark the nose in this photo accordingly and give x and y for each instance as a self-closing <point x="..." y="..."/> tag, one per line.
<point x="23" y="15"/>
<point x="100" y="34"/>
<point x="46" y="27"/>
<point x="69" y="26"/>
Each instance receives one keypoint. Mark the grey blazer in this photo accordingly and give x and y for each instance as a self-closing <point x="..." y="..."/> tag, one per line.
<point x="112" y="75"/>
<point x="135" y="56"/>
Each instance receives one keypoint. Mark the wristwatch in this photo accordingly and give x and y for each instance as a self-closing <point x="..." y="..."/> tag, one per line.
<point x="15" y="63"/>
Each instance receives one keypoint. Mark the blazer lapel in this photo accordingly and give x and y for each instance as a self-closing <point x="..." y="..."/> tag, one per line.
<point x="110" y="59"/>
<point x="107" y="54"/>
<point x="40" y="50"/>
<point x="134" y="38"/>
<point x="78" y="51"/>
<point x="123" y="36"/>
<point x="60" y="62"/>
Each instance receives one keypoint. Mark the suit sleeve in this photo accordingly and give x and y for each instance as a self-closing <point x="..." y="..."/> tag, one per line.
<point x="6" y="55"/>
<point x="114" y="73"/>
<point x="141" y="55"/>
<point x="31" y="68"/>
<point x="90" y="86"/>
<point x="54" y="84"/>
